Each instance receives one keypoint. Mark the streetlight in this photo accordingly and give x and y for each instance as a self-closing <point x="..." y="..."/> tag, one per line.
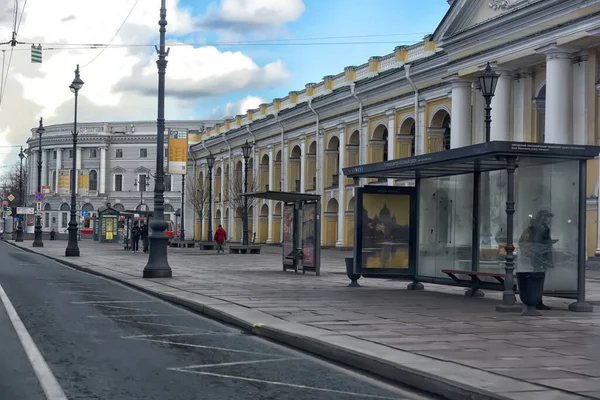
<point x="72" y="246"/>
<point x="182" y="226"/>
<point x="37" y="239"/>
<point x="488" y="80"/>
<point x="210" y="160"/>
<point x="20" y="225"/>
<point x="143" y="185"/>
<point x="158" y="265"/>
<point x="246" y="153"/>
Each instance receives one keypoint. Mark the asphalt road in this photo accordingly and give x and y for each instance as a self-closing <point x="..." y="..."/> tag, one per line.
<point x="102" y="340"/>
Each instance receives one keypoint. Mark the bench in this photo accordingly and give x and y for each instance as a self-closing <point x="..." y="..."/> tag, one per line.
<point x="182" y="243"/>
<point x="207" y="245"/>
<point x="241" y="249"/>
<point x="475" y="283"/>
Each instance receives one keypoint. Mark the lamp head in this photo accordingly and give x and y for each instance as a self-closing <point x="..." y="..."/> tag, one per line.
<point x="77" y="82"/>
<point x="488" y="79"/>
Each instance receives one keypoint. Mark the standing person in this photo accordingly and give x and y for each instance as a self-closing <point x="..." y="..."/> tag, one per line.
<point x="135" y="238"/>
<point x="220" y="238"/>
<point x="144" y="236"/>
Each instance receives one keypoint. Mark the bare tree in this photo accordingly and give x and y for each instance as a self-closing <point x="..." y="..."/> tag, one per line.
<point x="197" y="197"/>
<point x="235" y="200"/>
<point x="9" y="182"/>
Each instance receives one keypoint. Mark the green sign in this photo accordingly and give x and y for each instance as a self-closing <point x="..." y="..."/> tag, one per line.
<point x="36" y="54"/>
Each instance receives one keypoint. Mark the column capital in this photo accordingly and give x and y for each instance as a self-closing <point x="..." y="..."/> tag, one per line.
<point x="321" y="132"/>
<point x="270" y="148"/>
<point x="365" y="119"/>
<point x="580" y="57"/>
<point x="553" y="51"/>
<point x="340" y="127"/>
<point x="458" y="82"/>
<point x="390" y="112"/>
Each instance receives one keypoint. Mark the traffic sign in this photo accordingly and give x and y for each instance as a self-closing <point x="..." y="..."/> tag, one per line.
<point x="25" y="210"/>
<point x="39" y="197"/>
<point x="85" y="213"/>
<point x="11" y="197"/>
<point x="36" y="54"/>
<point x="45" y="189"/>
<point x="9" y="212"/>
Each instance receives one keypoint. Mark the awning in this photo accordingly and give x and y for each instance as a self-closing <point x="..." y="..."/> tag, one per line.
<point x="287" y="197"/>
<point x="481" y="157"/>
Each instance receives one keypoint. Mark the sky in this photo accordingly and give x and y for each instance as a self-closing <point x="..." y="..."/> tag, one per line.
<point x="226" y="56"/>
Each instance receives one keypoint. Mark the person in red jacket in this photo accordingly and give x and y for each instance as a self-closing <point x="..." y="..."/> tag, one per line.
<point x="220" y="238"/>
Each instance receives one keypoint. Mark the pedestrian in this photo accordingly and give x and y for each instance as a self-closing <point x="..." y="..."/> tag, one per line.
<point x="135" y="237"/>
<point x="144" y="236"/>
<point x="220" y="238"/>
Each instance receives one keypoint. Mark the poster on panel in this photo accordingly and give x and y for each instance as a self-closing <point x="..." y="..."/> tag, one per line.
<point x="64" y="182"/>
<point x="288" y="230"/>
<point x="178" y="148"/>
<point x="385" y="230"/>
<point x="83" y="182"/>
<point x="309" y="215"/>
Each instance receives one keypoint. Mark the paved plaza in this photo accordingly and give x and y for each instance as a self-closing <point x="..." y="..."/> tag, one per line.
<point x="436" y="338"/>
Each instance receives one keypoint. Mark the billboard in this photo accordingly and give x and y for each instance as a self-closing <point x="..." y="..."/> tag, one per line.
<point x="288" y="230"/>
<point x="178" y="149"/>
<point x="64" y="182"/>
<point x="83" y="182"/>
<point x="309" y="216"/>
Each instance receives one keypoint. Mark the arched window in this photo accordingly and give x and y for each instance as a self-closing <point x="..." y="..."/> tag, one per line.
<point x="93" y="180"/>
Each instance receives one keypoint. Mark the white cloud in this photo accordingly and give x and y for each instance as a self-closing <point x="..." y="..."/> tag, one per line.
<point x="233" y="108"/>
<point x="35" y="90"/>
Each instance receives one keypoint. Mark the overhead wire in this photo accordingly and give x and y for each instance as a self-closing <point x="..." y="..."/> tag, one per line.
<point x="114" y="36"/>
<point x="16" y="25"/>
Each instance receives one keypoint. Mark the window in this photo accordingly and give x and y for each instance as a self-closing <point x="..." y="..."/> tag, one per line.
<point x="168" y="183"/>
<point x="143" y="153"/>
<point x="119" y="153"/>
<point x="47" y="220"/>
<point x="142" y="183"/>
<point x="53" y="181"/>
<point x="118" y="183"/>
<point x="93" y="180"/>
<point x="166" y="153"/>
<point x="70" y="153"/>
<point x="93" y="153"/>
<point x="54" y="155"/>
<point x="64" y="219"/>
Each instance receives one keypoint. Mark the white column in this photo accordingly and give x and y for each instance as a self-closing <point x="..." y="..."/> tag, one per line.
<point x="59" y="166"/>
<point x="44" y="167"/>
<point x="478" y="129"/>
<point x="580" y="103"/>
<point x="230" y="188"/>
<point x="320" y="162"/>
<point x="102" y="173"/>
<point x="342" y="187"/>
<point x="522" y="105"/>
<point x="284" y="187"/>
<point x="558" y="95"/>
<point x="254" y="187"/>
<point x="271" y="202"/>
<point x="420" y="129"/>
<point x="222" y="194"/>
<point x="34" y="175"/>
<point x="461" y="113"/>
<point x="364" y="141"/>
<point x="391" y="114"/>
<point x="302" y="166"/>
<point x="77" y="168"/>
<point x="501" y="128"/>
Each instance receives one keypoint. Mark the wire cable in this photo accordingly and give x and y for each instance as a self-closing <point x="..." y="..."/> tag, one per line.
<point x="21" y="18"/>
<point x="114" y="36"/>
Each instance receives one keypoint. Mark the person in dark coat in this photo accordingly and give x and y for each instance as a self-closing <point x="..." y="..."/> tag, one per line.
<point x="220" y="238"/>
<point x="144" y="236"/>
<point x="135" y="238"/>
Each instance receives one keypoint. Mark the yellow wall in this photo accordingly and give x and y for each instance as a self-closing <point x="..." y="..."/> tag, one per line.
<point x="591" y="232"/>
<point x="430" y="109"/>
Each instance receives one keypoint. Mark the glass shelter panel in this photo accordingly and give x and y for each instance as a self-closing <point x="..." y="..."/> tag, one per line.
<point x="445" y="225"/>
<point x="492" y="221"/>
<point x="546" y="224"/>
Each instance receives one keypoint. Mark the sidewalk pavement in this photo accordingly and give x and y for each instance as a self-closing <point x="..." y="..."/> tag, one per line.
<point x="436" y="340"/>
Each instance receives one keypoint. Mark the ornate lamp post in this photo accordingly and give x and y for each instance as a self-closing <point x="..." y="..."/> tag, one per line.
<point x="158" y="265"/>
<point x="20" y="225"/>
<point x="72" y="246"/>
<point x="37" y="239"/>
<point x="143" y="186"/>
<point x="210" y="160"/>
<point x="488" y="80"/>
<point x="246" y="148"/>
<point x="182" y="228"/>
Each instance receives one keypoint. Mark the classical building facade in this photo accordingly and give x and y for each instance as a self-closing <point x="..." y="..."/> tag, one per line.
<point x="419" y="99"/>
<point x="115" y="164"/>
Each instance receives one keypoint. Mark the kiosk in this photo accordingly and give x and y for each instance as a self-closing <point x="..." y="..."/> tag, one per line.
<point x="467" y="221"/>
<point x="301" y="229"/>
<point x="109" y="222"/>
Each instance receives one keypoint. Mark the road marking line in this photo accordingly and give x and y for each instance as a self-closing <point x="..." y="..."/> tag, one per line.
<point x="200" y="346"/>
<point x="112" y="301"/>
<point x="122" y="308"/>
<point x="135" y="315"/>
<point x="153" y="323"/>
<point x="47" y="380"/>
<point x="370" y="396"/>
<point x="81" y="291"/>
<point x="229" y="364"/>
<point x="176" y="334"/>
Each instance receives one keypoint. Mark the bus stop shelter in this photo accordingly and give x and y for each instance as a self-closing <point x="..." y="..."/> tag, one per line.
<point x="466" y="219"/>
<point x="301" y="229"/>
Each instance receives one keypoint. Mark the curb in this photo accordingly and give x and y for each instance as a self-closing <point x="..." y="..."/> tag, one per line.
<point x="396" y="372"/>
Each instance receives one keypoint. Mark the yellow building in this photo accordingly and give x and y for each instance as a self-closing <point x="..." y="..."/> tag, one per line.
<point x="419" y="99"/>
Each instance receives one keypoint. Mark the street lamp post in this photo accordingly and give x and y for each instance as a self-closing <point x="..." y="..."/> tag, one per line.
<point x="72" y="246"/>
<point x="37" y="239"/>
<point x="158" y="264"/>
<point x="210" y="160"/>
<point x="143" y="186"/>
<point x="488" y="80"/>
<point x="182" y="229"/>
<point x="246" y="153"/>
<point x="20" y="225"/>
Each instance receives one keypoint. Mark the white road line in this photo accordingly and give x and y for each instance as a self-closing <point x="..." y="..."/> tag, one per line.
<point x="135" y="315"/>
<point x="112" y="301"/>
<point x="229" y="364"/>
<point x="369" y="396"/>
<point x="47" y="380"/>
<point x="199" y="346"/>
<point x="122" y="308"/>
<point x="81" y="291"/>
<point x="173" y="334"/>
